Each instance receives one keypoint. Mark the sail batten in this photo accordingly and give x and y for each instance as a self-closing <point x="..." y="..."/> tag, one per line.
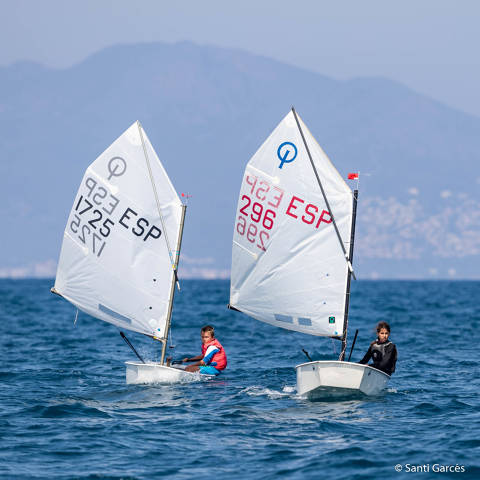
<point x="114" y="263"/>
<point x="297" y="278"/>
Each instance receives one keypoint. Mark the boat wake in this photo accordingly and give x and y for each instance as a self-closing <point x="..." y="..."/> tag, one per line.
<point x="257" y="391"/>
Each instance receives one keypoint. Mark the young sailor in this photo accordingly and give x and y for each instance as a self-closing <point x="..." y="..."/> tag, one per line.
<point x="213" y="358"/>
<point x="383" y="352"/>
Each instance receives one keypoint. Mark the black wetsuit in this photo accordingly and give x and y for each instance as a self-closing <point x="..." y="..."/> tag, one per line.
<point x="384" y="356"/>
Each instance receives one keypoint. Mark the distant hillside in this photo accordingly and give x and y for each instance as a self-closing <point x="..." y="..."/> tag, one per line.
<point x="206" y="110"/>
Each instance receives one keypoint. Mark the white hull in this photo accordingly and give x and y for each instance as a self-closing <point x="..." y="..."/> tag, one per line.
<point x="317" y="379"/>
<point x="152" y="372"/>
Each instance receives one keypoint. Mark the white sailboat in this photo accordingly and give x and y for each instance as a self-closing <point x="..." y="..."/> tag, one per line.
<point x="121" y="247"/>
<point x="292" y="252"/>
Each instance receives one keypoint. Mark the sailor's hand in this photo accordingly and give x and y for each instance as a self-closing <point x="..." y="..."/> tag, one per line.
<point x="185" y="360"/>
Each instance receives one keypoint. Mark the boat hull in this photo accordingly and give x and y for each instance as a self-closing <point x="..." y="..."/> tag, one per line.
<point x="316" y="379"/>
<point x="152" y="372"/>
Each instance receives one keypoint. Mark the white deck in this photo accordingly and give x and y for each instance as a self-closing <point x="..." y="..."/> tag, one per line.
<point x="152" y="372"/>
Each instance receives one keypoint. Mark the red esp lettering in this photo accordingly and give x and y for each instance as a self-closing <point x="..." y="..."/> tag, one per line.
<point x="310" y="211"/>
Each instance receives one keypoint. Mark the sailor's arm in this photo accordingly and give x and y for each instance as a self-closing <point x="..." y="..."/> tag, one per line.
<point x="211" y="351"/>
<point x="367" y="356"/>
<point x="192" y="359"/>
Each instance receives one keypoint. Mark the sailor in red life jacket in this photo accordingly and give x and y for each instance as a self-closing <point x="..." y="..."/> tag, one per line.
<point x="213" y="358"/>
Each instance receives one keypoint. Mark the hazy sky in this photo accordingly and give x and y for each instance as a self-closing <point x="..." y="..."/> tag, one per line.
<point x="429" y="45"/>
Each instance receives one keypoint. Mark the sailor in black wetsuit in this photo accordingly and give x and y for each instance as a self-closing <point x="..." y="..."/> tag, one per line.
<point x="383" y="352"/>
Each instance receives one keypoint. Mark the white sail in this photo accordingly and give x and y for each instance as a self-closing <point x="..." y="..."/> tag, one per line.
<point x="288" y="265"/>
<point x="115" y="263"/>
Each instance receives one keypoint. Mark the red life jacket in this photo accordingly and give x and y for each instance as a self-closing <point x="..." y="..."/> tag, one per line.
<point x="220" y="358"/>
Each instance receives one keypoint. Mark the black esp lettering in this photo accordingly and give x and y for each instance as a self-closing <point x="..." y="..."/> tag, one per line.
<point x="99" y="196"/>
<point x="142" y="228"/>
<point x="113" y="205"/>
<point x="90" y="183"/>
<point x="125" y="216"/>
<point x="151" y="233"/>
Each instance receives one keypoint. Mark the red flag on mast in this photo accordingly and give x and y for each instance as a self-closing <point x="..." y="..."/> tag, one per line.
<point x="352" y="176"/>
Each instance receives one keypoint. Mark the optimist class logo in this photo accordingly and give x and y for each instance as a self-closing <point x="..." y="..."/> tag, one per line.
<point x="284" y="151"/>
<point x="117" y="166"/>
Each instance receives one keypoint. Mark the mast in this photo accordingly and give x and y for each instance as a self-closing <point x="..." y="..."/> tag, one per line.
<point x="174" y="261"/>
<point x="172" y="289"/>
<point x="347" y="295"/>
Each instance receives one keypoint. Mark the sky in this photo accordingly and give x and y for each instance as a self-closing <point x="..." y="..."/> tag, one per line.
<point x="429" y="45"/>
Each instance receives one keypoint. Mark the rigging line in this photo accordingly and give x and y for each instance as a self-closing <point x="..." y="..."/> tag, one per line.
<point x="353" y="344"/>
<point x="324" y="195"/>
<point x="156" y="197"/>
<point x="127" y="341"/>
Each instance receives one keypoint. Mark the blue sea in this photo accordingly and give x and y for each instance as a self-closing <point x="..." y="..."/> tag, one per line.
<point x="66" y="412"/>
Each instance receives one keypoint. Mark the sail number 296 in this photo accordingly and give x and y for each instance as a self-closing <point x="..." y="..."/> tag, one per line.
<point x="257" y="213"/>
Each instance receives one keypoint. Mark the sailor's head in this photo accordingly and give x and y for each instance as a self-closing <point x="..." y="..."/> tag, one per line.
<point x="383" y="331"/>
<point x="207" y="333"/>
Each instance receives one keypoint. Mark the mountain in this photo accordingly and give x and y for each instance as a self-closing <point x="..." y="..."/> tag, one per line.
<point x="206" y="111"/>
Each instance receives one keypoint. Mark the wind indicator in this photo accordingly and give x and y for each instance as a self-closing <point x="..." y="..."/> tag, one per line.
<point x="354" y="176"/>
<point x="186" y="196"/>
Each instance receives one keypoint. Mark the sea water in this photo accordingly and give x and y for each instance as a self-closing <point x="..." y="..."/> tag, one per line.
<point x="66" y="412"/>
